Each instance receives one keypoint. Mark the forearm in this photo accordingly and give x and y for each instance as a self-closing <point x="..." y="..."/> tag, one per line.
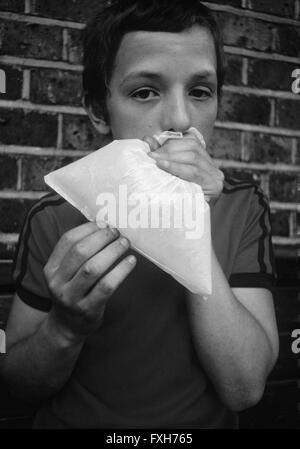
<point x="39" y="366"/>
<point x="231" y="344"/>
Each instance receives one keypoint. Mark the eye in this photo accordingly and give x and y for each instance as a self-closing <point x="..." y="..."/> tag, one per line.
<point x="144" y="94"/>
<point x="201" y="93"/>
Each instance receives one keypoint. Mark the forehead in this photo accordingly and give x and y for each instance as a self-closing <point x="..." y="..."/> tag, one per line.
<point x="187" y="51"/>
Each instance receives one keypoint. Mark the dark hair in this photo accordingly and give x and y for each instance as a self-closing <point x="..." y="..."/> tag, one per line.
<point x="104" y="33"/>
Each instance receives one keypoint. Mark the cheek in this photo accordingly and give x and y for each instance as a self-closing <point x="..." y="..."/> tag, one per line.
<point x="120" y="119"/>
<point x="127" y="121"/>
<point x="208" y="122"/>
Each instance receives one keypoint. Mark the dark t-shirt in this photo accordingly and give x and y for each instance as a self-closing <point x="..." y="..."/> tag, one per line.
<point x="140" y="369"/>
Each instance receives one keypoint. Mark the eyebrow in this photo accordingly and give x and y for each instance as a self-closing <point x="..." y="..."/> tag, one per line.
<point x="197" y="76"/>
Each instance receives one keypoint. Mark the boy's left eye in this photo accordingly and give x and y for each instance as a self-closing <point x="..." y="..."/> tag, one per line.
<point x="201" y="93"/>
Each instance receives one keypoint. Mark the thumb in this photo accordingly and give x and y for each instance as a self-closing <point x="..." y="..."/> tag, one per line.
<point x="153" y="143"/>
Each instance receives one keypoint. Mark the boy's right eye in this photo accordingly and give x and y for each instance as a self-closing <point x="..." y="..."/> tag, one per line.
<point x="144" y="94"/>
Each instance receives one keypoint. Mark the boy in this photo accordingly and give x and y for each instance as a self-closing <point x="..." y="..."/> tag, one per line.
<point x="99" y="335"/>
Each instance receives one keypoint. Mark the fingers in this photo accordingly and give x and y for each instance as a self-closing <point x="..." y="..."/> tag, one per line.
<point x="97" y="266"/>
<point x="188" y="144"/>
<point x="111" y="281"/>
<point x="153" y="143"/>
<point x="66" y="242"/>
<point x="75" y="247"/>
<point x="183" y="171"/>
<point x="84" y="250"/>
<point x="186" y="157"/>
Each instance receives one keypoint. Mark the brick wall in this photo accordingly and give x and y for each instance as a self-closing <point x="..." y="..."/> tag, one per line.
<point x="42" y="126"/>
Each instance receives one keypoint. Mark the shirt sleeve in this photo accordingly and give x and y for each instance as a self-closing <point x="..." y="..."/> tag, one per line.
<point x="254" y="264"/>
<point x="34" y="248"/>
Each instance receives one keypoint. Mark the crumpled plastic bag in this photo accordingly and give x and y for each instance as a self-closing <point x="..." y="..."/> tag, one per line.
<point x="165" y="218"/>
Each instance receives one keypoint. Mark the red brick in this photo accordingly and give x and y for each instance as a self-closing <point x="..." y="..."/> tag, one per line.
<point x="246" y="32"/>
<point x="32" y="128"/>
<point x="78" y="10"/>
<point x="35" y="168"/>
<point x="79" y="134"/>
<point x="12" y="5"/>
<point x="14" y="78"/>
<point x="288" y="114"/>
<point x="288" y="39"/>
<point x="8" y="172"/>
<point x="283" y="187"/>
<point x="245" y="109"/>
<point x="264" y="148"/>
<point x="270" y="74"/>
<point x="225" y="144"/>
<point x="30" y="40"/>
<point x="280" y="223"/>
<point x="12" y="214"/>
<point x="278" y="7"/>
<point x="55" y="87"/>
<point x="233" y="74"/>
<point x="74" y="47"/>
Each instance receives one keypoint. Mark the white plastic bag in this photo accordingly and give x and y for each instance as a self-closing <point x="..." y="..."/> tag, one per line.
<point x="165" y="218"/>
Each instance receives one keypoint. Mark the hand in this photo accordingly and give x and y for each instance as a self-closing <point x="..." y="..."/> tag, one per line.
<point x="188" y="159"/>
<point x="81" y="280"/>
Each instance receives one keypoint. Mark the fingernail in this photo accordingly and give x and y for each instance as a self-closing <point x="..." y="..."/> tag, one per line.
<point x="101" y="224"/>
<point x="131" y="259"/>
<point x="114" y="231"/>
<point x="124" y="242"/>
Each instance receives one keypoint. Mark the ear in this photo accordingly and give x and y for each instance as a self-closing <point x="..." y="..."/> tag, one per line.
<point x="96" y="114"/>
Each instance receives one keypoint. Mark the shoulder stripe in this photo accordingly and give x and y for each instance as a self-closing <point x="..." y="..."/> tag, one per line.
<point x="51" y="199"/>
<point x="265" y="223"/>
<point x="264" y="220"/>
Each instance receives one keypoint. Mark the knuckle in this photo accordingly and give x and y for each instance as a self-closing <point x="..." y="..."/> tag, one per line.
<point x="46" y="271"/>
<point x="67" y="237"/>
<point x="52" y="285"/>
<point x="221" y="175"/>
<point x="123" y="244"/>
<point x="82" y="308"/>
<point x="88" y="270"/>
<point x="106" y="288"/>
<point x="195" y="157"/>
<point x="79" y="249"/>
<point x="55" y="290"/>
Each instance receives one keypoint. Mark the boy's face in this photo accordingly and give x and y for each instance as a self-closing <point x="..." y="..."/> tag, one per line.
<point x="163" y="81"/>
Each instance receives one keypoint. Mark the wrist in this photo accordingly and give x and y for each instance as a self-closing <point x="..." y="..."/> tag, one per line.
<point x="62" y="337"/>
